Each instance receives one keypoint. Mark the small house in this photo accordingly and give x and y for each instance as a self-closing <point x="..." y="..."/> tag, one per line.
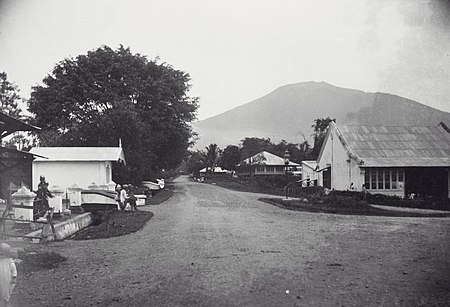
<point x="81" y="166"/>
<point x="266" y="164"/>
<point x="405" y="161"/>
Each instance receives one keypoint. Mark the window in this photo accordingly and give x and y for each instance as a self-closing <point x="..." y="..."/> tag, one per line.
<point x="394" y="179"/>
<point x="387" y="179"/>
<point x="373" y="184"/>
<point x="280" y="169"/>
<point x="270" y="169"/>
<point x="380" y="179"/>
<point x="260" y="169"/>
<point x="383" y="178"/>
<point x="367" y="179"/>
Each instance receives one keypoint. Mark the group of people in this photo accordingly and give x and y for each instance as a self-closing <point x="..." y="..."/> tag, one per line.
<point x="125" y="197"/>
<point x="40" y="205"/>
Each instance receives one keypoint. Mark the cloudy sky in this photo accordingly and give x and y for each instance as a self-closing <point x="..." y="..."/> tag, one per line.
<point x="239" y="50"/>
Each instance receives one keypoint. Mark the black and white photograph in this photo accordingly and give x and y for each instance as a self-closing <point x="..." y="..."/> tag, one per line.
<point x="224" y="153"/>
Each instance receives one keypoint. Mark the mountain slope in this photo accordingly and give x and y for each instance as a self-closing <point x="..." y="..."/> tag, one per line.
<point x="289" y="111"/>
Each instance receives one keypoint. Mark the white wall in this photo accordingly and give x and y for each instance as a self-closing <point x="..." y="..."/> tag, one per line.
<point x="343" y="169"/>
<point x="66" y="173"/>
<point x="308" y="172"/>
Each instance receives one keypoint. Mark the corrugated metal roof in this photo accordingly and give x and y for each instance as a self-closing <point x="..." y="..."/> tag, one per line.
<point x="396" y="146"/>
<point x="266" y="158"/>
<point x="79" y="153"/>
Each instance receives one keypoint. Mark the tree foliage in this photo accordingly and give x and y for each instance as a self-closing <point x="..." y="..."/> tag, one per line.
<point x="230" y="158"/>
<point x="212" y="155"/>
<point x="195" y="162"/>
<point x="9" y="97"/>
<point x="10" y="101"/>
<point x="320" y="129"/>
<point x="252" y="145"/>
<point x="97" y="98"/>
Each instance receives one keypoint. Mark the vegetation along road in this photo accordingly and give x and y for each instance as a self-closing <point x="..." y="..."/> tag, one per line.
<point x="208" y="246"/>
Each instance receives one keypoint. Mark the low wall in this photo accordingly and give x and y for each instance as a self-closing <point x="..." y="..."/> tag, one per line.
<point x="66" y="228"/>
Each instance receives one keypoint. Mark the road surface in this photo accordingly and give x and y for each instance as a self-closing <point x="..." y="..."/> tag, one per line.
<point x="208" y="246"/>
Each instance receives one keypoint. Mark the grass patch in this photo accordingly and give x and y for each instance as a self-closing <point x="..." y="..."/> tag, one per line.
<point x="265" y="185"/>
<point x="118" y="223"/>
<point x="345" y="206"/>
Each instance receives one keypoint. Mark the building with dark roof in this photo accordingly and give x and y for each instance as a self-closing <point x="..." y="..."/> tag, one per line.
<point x="393" y="160"/>
<point x="15" y="165"/>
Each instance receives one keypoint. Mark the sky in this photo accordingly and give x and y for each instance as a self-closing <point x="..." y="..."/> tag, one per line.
<point x="239" y="50"/>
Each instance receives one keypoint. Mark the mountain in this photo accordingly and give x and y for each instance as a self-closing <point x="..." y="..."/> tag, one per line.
<point x="289" y="111"/>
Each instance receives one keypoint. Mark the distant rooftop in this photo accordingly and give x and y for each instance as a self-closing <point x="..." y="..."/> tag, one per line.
<point x="79" y="153"/>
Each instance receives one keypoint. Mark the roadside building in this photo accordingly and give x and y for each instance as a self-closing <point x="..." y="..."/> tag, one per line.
<point x="309" y="174"/>
<point x="266" y="164"/>
<point x="393" y="160"/>
<point x="217" y="171"/>
<point x="81" y="166"/>
<point x="15" y="165"/>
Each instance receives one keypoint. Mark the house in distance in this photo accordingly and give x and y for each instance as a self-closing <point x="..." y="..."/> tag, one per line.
<point x="405" y="161"/>
<point x="265" y="163"/>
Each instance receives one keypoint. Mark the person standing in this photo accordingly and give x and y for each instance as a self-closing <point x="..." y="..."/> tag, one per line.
<point x="131" y="198"/>
<point x="118" y="190"/>
<point x="41" y="205"/>
<point x="123" y="197"/>
<point x="8" y="275"/>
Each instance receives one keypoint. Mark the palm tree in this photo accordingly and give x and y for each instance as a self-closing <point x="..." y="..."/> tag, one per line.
<point x="212" y="156"/>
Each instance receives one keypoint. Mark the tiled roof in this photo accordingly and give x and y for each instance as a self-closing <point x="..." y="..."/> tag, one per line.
<point x="79" y="153"/>
<point x="265" y="157"/>
<point x="383" y="146"/>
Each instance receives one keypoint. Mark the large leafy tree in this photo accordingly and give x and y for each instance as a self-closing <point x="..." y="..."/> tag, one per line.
<point x="230" y="158"/>
<point x="252" y="145"/>
<point x="97" y="98"/>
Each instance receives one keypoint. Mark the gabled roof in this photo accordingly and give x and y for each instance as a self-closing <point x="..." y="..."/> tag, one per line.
<point x="397" y="146"/>
<point x="10" y="125"/>
<point x="267" y="158"/>
<point x="79" y="153"/>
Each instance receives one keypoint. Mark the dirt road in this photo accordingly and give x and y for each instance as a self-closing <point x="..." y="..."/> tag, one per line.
<point x="208" y="246"/>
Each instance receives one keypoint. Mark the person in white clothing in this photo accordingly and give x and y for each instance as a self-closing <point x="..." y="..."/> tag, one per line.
<point x="123" y="196"/>
<point x="8" y="275"/>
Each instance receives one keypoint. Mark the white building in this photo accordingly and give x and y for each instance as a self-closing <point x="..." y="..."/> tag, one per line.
<point x="391" y="160"/>
<point x="217" y="170"/>
<point x="266" y="164"/>
<point x="309" y="174"/>
<point x="66" y="166"/>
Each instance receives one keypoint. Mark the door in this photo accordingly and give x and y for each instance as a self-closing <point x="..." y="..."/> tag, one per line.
<point x="327" y="178"/>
